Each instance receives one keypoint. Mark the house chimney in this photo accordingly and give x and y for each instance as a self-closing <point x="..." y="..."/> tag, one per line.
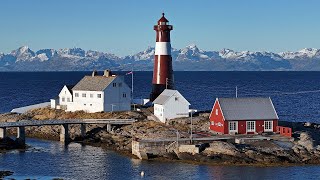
<point x="107" y="73"/>
<point x="94" y="73"/>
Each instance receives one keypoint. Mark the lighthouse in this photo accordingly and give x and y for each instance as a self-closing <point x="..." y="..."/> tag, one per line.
<point x="162" y="70"/>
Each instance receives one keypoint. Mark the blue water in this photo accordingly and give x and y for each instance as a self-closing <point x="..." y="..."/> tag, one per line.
<point x="200" y="88"/>
<point x="48" y="160"/>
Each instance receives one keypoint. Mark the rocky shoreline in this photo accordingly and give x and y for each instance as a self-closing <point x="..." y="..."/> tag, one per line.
<point x="302" y="149"/>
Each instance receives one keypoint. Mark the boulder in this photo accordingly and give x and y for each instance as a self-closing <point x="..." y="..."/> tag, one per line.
<point x="307" y="124"/>
<point x="220" y="147"/>
<point x="306" y="141"/>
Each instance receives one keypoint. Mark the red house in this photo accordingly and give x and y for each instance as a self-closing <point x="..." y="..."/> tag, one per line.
<point x="243" y="116"/>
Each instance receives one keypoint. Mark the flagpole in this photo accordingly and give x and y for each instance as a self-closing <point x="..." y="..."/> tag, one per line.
<point x="132" y="84"/>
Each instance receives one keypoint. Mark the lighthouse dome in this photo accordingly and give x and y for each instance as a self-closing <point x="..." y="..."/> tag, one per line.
<point x="163" y="20"/>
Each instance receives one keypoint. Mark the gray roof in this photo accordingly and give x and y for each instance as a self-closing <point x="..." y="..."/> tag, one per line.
<point x="247" y="109"/>
<point x="93" y="83"/>
<point x="165" y="96"/>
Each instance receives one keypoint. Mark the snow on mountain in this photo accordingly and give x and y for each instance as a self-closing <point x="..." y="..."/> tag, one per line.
<point x="191" y="57"/>
<point x="192" y="52"/>
<point x="94" y="54"/>
<point x="305" y="53"/>
<point x="71" y="52"/>
<point x="147" y="54"/>
<point x="49" y="53"/>
<point x="23" y="54"/>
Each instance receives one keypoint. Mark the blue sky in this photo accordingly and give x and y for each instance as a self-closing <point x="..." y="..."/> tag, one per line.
<point x="126" y="26"/>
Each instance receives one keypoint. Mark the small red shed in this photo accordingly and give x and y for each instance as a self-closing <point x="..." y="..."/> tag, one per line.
<point x="243" y="116"/>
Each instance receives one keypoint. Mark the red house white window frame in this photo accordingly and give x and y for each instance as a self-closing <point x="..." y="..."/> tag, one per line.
<point x="233" y="126"/>
<point x="251" y="126"/>
<point x="268" y="126"/>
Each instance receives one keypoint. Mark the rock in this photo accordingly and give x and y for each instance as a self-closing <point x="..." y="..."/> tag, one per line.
<point x="205" y="115"/>
<point x="307" y="124"/>
<point x="220" y="147"/>
<point x="306" y="141"/>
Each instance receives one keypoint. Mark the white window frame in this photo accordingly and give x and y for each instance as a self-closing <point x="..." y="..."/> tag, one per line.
<point x="84" y="95"/>
<point x="254" y="126"/>
<point x="217" y="112"/>
<point x="235" y="123"/>
<point x="76" y="94"/>
<point x="265" y="126"/>
<point x="99" y="96"/>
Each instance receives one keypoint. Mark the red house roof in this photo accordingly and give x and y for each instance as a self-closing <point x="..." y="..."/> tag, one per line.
<point x="247" y="109"/>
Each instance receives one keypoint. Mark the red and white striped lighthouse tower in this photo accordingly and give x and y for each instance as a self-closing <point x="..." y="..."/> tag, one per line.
<point x="162" y="71"/>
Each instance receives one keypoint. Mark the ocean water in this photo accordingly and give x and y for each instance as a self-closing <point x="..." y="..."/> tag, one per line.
<point x="296" y="95"/>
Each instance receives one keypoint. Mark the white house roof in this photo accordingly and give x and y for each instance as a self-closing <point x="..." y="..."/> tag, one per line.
<point x="247" y="109"/>
<point x="166" y="95"/>
<point x="93" y="83"/>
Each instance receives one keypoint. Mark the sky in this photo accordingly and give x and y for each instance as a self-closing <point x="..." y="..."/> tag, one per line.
<point x="125" y="27"/>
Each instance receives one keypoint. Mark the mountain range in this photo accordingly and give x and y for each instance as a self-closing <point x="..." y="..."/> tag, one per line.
<point x="190" y="58"/>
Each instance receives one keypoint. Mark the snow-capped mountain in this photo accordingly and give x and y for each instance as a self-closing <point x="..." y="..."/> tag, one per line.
<point x="306" y="53"/>
<point x="189" y="58"/>
<point x="23" y="54"/>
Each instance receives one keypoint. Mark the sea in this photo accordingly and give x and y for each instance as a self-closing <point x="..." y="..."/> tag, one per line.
<point x="296" y="97"/>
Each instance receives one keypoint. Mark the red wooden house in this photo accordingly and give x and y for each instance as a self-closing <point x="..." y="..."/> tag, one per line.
<point x="243" y="116"/>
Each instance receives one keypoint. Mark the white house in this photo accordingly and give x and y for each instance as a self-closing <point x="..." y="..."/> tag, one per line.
<point x="170" y="104"/>
<point x="96" y="94"/>
<point x="65" y="97"/>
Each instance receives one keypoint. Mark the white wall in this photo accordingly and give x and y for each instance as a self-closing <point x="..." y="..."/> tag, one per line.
<point x="111" y="95"/>
<point x="158" y="112"/>
<point x="65" y="97"/>
<point x="172" y="108"/>
<point x="89" y="103"/>
<point x="115" y="96"/>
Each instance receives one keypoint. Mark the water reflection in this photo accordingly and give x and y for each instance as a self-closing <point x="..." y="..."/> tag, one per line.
<point x="46" y="159"/>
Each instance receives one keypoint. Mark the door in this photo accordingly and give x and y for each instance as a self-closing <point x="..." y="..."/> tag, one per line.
<point x="251" y="126"/>
<point x="233" y="127"/>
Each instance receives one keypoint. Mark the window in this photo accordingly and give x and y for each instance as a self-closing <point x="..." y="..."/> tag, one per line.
<point x="212" y="123"/>
<point x="84" y="95"/>
<point x="76" y="94"/>
<point x="99" y="95"/>
<point x="85" y="104"/>
<point x="91" y="95"/>
<point x="124" y="95"/>
<point x="114" y="84"/>
<point x="217" y="112"/>
<point x="62" y="99"/>
<point x="120" y="84"/>
<point x="233" y="126"/>
<point x="176" y="98"/>
<point x="90" y="104"/>
<point x="68" y="99"/>
<point x="268" y="126"/>
<point x="251" y="126"/>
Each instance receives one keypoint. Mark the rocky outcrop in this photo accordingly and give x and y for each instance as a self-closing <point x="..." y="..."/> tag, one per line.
<point x="304" y="150"/>
<point x="220" y="147"/>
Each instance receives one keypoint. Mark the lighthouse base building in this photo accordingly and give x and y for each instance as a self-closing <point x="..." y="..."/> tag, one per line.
<point x="243" y="116"/>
